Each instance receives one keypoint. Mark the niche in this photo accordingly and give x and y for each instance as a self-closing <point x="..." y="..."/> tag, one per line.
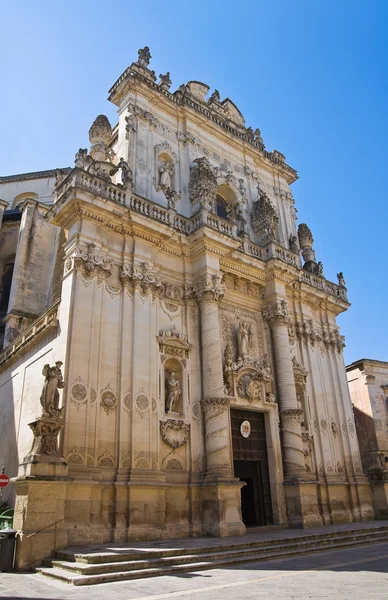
<point x="173" y="387"/>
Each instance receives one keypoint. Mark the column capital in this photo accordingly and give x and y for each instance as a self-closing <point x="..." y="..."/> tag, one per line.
<point x="211" y="403"/>
<point x="209" y="287"/>
<point x="276" y="313"/>
<point x="292" y="414"/>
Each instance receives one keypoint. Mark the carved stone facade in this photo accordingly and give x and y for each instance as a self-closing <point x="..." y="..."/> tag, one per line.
<point x="164" y="271"/>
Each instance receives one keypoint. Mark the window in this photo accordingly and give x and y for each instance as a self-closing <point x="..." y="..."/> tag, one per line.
<point x="221" y="204"/>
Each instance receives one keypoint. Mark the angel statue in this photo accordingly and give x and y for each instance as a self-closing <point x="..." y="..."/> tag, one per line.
<point x="244" y="339"/>
<point x="165" y="174"/>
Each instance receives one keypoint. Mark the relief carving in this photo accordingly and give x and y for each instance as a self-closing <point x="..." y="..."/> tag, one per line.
<point x="174" y="432"/>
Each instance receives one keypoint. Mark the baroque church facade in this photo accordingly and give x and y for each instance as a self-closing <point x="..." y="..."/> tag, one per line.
<point x="163" y="292"/>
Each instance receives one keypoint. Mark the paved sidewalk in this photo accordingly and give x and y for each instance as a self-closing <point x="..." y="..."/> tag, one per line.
<point x="356" y="574"/>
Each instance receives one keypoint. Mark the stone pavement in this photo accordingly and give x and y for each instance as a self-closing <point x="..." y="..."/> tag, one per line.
<point x="353" y="574"/>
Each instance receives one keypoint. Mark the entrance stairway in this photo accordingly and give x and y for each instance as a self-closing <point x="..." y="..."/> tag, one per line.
<point x="118" y="562"/>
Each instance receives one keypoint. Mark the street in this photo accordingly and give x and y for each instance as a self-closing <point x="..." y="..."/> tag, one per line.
<point x="353" y="574"/>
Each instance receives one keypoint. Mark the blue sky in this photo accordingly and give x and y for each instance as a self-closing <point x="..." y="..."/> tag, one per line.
<point x="311" y="74"/>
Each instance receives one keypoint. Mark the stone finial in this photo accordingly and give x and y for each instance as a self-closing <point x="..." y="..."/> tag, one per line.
<point x="215" y="97"/>
<point x="165" y="81"/>
<point x="144" y="57"/>
<point x="306" y="239"/>
<point x="100" y="135"/>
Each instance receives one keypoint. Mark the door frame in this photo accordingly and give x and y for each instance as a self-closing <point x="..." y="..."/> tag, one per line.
<point x="274" y="452"/>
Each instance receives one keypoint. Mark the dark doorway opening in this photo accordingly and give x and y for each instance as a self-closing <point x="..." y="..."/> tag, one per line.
<point x="251" y="466"/>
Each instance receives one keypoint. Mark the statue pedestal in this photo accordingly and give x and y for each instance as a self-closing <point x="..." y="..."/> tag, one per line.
<point x="45" y="444"/>
<point x="41" y="488"/>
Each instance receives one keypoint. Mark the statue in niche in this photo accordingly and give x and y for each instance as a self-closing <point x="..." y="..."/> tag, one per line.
<point x="174" y="392"/>
<point x="165" y="174"/>
<point x="244" y="339"/>
<point x="144" y="57"/>
<point x="49" y="397"/>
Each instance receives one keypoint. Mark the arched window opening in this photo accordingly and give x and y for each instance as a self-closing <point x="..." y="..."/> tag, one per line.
<point x="221" y="207"/>
<point x="225" y="200"/>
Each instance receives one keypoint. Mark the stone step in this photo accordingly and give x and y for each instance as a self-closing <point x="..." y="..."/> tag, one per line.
<point x="171" y="565"/>
<point x="99" y="556"/>
<point x="237" y="554"/>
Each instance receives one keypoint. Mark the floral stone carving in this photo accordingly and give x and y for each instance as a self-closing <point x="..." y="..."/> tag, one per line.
<point x="174" y="432"/>
<point x="203" y="183"/>
<point x="265" y="221"/>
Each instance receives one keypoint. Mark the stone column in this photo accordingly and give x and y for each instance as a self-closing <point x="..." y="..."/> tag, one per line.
<point x="290" y="414"/>
<point x="221" y="499"/>
<point x="209" y="291"/>
<point x="300" y="491"/>
<point x="3" y="208"/>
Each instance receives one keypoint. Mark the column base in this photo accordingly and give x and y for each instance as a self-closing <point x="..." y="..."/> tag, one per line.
<point x="221" y="508"/>
<point x="302" y="504"/>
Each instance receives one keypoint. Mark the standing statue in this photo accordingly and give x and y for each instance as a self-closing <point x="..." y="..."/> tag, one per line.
<point x="341" y="280"/>
<point x="165" y="174"/>
<point x="293" y="244"/>
<point x="174" y="392"/>
<point x="126" y="173"/>
<point x="244" y="339"/>
<point x="49" y="397"/>
<point x="144" y="57"/>
<point x="319" y="269"/>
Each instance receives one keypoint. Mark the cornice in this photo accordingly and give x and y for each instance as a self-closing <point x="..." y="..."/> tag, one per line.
<point x="34" y="175"/>
<point x="360" y="364"/>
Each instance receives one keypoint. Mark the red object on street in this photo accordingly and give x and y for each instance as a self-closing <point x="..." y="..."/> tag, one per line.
<point x="4" y="480"/>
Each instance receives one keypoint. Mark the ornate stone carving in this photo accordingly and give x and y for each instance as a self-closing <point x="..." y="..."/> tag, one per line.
<point x="209" y="287"/>
<point x="265" y="220"/>
<point x="202" y="184"/>
<point x="277" y="312"/>
<point x="92" y="262"/>
<point x="165" y="81"/>
<point x="270" y="397"/>
<point x="49" y="398"/>
<point x="45" y="445"/>
<point x="141" y="461"/>
<point x="128" y="401"/>
<point x="144" y="57"/>
<point x="79" y="393"/>
<point x="75" y="457"/>
<point x="174" y="465"/>
<point x="334" y="428"/>
<point x="173" y="343"/>
<point x="143" y="278"/>
<point x="174" y="432"/>
<point x="250" y="386"/>
<point x="106" y="460"/>
<point x="292" y="414"/>
<point x="108" y="399"/>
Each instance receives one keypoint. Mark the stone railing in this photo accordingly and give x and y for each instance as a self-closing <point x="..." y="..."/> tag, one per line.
<point x="48" y="320"/>
<point x="248" y="247"/>
<point x="324" y="285"/>
<point x="221" y="225"/>
<point x="280" y="253"/>
<point x="93" y="184"/>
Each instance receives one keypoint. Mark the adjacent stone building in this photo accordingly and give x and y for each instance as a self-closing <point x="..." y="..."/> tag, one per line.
<point x="204" y="388"/>
<point x="368" y="385"/>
